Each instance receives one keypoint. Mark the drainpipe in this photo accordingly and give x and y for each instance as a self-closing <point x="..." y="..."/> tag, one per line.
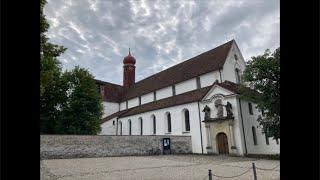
<point x="244" y="135"/>
<point x="220" y="76"/>
<point x="200" y="128"/>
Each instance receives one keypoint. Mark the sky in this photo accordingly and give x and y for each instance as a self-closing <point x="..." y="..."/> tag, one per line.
<point x="160" y="33"/>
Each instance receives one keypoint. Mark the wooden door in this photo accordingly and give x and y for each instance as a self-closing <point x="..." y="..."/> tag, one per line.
<point x="222" y="142"/>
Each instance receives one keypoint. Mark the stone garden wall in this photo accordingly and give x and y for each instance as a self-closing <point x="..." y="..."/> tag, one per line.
<point x="76" y="146"/>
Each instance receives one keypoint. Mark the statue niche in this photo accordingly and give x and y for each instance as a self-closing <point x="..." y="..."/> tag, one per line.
<point x="219" y="107"/>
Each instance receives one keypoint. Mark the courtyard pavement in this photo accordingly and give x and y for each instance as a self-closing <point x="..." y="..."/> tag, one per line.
<point x="175" y="167"/>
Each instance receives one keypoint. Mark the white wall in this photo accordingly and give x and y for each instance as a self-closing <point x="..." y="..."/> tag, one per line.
<point x="109" y="108"/>
<point x="228" y="72"/>
<point x="251" y="120"/>
<point x="164" y="92"/>
<point x="123" y="106"/>
<point x="133" y="102"/>
<point x="147" y="98"/>
<point x="186" y="86"/>
<point x="209" y="78"/>
<point x="176" y="123"/>
<point x="107" y="128"/>
<point x="177" y="127"/>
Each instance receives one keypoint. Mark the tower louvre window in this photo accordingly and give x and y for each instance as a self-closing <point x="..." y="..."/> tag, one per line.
<point x="139" y="100"/>
<point x="154" y="95"/>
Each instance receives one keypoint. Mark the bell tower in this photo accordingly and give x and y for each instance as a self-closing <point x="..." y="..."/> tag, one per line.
<point x="129" y="70"/>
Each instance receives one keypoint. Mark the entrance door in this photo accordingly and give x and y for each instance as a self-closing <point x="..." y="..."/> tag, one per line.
<point x="222" y="142"/>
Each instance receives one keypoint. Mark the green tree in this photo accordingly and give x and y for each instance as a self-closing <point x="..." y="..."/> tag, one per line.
<point x="82" y="111"/>
<point x="51" y="91"/>
<point x="69" y="103"/>
<point x="263" y="74"/>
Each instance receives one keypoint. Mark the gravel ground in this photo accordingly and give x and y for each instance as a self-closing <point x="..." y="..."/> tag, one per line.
<point x="193" y="167"/>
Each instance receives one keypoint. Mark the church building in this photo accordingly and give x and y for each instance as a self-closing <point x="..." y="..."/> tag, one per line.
<point x="198" y="98"/>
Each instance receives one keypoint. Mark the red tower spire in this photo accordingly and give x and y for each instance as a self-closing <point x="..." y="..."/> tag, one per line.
<point x="129" y="70"/>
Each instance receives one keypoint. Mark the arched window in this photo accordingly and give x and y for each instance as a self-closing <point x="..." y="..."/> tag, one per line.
<point x="120" y="128"/>
<point x="238" y="76"/>
<point x="154" y="126"/>
<point x="130" y="127"/>
<point x="186" y="121"/>
<point x="141" y="125"/>
<point x="168" y="122"/>
<point x="254" y="135"/>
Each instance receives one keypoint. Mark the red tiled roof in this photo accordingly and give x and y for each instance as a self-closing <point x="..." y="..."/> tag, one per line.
<point x="204" y="63"/>
<point x="112" y="92"/>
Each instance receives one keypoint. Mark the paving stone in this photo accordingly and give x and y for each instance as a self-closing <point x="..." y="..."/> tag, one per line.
<point x="176" y="167"/>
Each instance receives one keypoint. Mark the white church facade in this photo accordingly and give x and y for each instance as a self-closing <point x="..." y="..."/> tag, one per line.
<point x="197" y="98"/>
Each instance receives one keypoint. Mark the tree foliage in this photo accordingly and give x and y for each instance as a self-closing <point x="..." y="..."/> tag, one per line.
<point x="263" y="74"/>
<point x="82" y="111"/>
<point x="69" y="103"/>
<point x="51" y="93"/>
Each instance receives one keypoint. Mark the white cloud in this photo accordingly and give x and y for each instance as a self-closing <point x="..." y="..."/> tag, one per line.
<point x="160" y="33"/>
